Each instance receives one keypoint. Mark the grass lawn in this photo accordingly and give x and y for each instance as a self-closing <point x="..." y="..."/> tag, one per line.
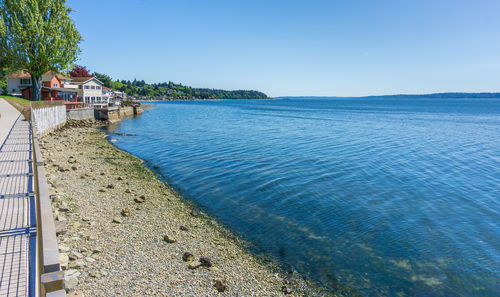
<point x="23" y="105"/>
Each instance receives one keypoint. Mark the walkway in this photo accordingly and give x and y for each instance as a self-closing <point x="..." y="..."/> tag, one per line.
<point x="17" y="203"/>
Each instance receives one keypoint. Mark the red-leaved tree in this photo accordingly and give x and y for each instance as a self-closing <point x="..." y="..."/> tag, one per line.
<point x="80" y="71"/>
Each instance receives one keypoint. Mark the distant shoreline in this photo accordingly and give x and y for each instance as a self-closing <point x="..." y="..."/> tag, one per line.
<point x="396" y="96"/>
<point x="197" y="99"/>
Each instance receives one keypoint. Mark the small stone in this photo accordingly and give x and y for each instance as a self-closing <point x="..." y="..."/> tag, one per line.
<point x="117" y="220"/>
<point x="139" y="200"/>
<point x="120" y="178"/>
<point x="287" y="290"/>
<point x="96" y="251"/>
<point x="183" y="228"/>
<point x="187" y="257"/>
<point x="78" y="264"/>
<point x="125" y="212"/>
<point x="111" y="186"/>
<point x="63" y="248"/>
<point x="60" y="227"/>
<point x="95" y="274"/>
<point x="194" y="264"/>
<point x="195" y="212"/>
<point x="220" y="284"/>
<point x="205" y="262"/>
<point x="102" y="173"/>
<point x="64" y="260"/>
<point x="75" y="294"/>
<point x="102" y="190"/>
<point x="71" y="279"/>
<point x="86" y="219"/>
<point x="127" y="191"/>
<point x="213" y="268"/>
<point x="169" y="239"/>
<point x="75" y="255"/>
<point x="74" y="168"/>
<point x="77" y="225"/>
<point x="90" y="259"/>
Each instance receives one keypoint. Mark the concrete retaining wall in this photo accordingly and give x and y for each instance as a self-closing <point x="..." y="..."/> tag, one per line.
<point x="80" y="114"/>
<point x="49" y="118"/>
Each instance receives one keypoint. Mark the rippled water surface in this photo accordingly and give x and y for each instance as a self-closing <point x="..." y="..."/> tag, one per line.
<point x="387" y="196"/>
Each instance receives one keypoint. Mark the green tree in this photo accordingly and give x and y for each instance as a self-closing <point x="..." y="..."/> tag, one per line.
<point x="39" y="36"/>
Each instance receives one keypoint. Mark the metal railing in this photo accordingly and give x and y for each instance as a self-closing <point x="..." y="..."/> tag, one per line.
<point x="49" y="276"/>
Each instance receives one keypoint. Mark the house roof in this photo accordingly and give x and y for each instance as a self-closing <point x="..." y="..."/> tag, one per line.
<point x="82" y="80"/>
<point x="47" y="76"/>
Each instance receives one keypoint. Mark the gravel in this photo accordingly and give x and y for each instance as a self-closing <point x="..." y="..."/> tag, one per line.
<point x="128" y="255"/>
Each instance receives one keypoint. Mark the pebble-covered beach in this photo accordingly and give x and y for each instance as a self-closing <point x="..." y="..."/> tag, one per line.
<point x="123" y="232"/>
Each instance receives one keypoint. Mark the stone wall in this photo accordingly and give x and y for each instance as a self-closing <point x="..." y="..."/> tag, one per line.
<point x="126" y="112"/>
<point x="80" y="114"/>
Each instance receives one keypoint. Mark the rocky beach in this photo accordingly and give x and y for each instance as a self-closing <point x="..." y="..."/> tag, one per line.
<point x="123" y="232"/>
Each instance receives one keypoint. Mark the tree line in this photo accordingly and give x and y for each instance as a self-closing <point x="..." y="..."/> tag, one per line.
<point x="170" y="90"/>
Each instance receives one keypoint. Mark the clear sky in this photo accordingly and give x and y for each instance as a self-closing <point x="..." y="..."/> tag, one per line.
<point x="289" y="47"/>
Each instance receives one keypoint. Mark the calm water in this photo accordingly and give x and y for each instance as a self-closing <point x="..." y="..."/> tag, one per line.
<point x="387" y="196"/>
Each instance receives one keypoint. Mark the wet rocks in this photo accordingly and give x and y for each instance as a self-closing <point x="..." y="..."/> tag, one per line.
<point x="286" y="290"/>
<point x="110" y="186"/>
<point x="169" y="238"/>
<point x="125" y="212"/>
<point x="194" y="264"/>
<point x="205" y="262"/>
<point x="140" y="199"/>
<point x="220" y="284"/>
<point x="187" y="257"/>
<point x="195" y="212"/>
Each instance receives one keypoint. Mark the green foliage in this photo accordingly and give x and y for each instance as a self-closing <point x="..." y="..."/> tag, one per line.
<point x="170" y="90"/>
<point x="38" y="36"/>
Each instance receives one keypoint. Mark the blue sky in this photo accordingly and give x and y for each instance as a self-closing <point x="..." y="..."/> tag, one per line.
<point x="335" y="48"/>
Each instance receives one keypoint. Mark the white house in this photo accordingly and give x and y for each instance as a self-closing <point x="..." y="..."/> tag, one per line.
<point x="17" y="81"/>
<point x="90" y="89"/>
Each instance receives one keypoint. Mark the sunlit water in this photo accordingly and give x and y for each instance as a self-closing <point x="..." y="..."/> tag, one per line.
<point x="387" y="196"/>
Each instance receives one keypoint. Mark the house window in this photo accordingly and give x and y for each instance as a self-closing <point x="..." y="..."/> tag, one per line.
<point x="98" y="87"/>
<point x="93" y="87"/>
<point x="93" y="99"/>
<point x="55" y="85"/>
<point x="87" y="87"/>
<point x="25" y="81"/>
<point x="87" y="99"/>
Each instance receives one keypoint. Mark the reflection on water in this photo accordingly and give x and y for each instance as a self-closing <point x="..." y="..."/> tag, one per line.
<point x="390" y="197"/>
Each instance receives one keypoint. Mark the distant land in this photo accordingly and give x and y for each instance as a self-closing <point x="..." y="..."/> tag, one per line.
<point x="434" y="95"/>
<point x="173" y="91"/>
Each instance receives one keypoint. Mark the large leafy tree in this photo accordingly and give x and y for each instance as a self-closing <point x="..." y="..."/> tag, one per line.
<point x="38" y="36"/>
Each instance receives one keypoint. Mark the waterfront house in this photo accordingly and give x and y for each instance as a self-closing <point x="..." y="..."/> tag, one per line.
<point x="90" y="89"/>
<point x="54" y="88"/>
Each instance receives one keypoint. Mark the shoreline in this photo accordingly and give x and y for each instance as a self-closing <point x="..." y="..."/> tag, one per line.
<point x="114" y="242"/>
